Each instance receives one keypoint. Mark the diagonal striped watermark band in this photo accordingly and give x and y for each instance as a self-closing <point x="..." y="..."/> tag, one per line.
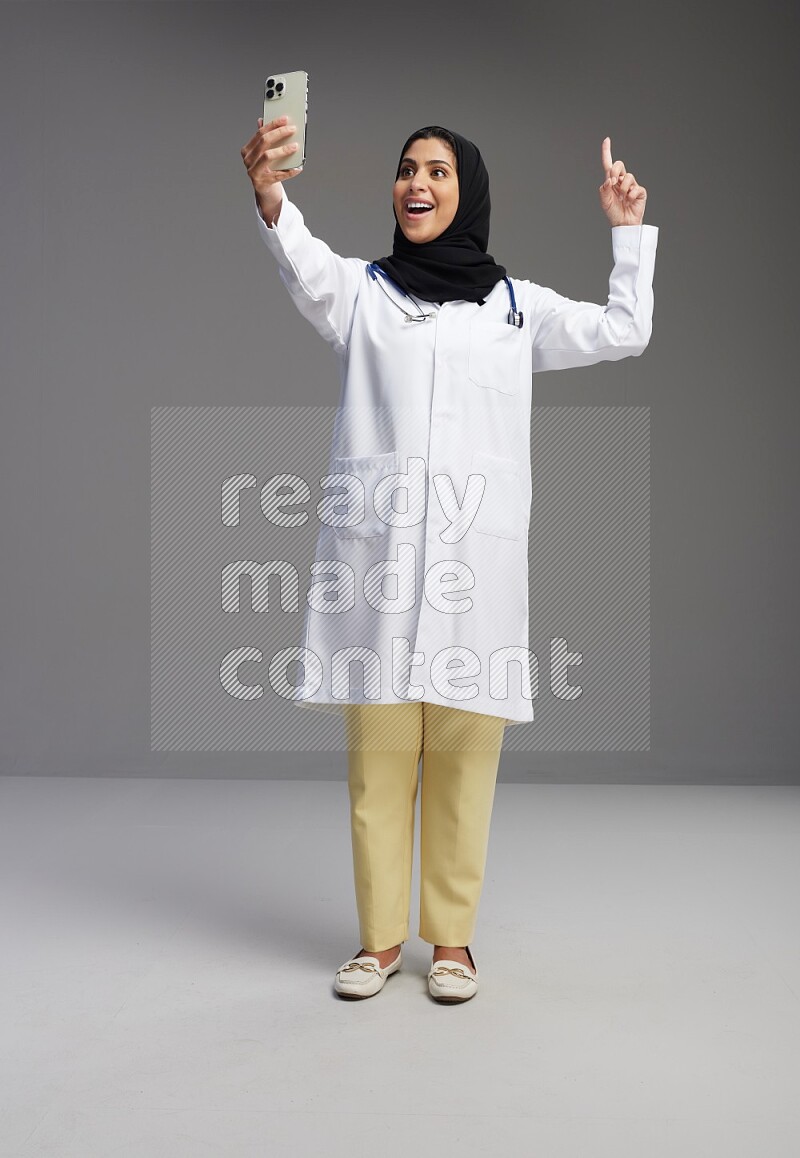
<point x="239" y="496"/>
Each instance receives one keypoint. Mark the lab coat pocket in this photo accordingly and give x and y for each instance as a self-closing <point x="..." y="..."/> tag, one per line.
<point x="363" y="511"/>
<point x="495" y="351"/>
<point x="500" y="512"/>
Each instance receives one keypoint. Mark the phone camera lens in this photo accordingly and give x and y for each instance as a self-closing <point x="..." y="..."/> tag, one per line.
<point x="270" y="81"/>
<point x="279" y="86"/>
<point x="270" y="93"/>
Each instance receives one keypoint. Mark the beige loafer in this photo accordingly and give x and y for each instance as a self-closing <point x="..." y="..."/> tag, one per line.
<point x="363" y="976"/>
<point x="450" y="981"/>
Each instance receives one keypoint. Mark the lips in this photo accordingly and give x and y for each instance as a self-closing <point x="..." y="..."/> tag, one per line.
<point x="413" y="216"/>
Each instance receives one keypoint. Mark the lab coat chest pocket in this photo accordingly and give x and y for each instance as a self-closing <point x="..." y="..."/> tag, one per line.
<point x="495" y="351"/>
<point x="364" y="511"/>
<point x="500" y="512"/>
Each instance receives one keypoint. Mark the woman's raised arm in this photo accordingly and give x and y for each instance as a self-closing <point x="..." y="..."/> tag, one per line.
<point x="323" y="285"/>
<point x="567" y="333"/>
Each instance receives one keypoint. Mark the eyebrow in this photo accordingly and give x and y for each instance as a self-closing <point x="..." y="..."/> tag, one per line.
<point x="410" y="161"/>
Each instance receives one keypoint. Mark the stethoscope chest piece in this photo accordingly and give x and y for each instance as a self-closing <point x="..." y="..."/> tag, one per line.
<point x="514" y="315"/>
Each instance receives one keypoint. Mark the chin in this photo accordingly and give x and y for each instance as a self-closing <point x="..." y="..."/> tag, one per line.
<point x="418" y="240"/>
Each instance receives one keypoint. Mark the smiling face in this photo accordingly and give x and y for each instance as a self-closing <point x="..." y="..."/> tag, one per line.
<point x="427" y="174"/>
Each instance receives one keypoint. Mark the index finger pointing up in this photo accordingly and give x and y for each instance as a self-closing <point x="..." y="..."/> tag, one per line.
<point x="606" y="155"/>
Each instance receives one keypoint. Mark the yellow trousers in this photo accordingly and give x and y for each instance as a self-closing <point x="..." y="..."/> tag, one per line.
<point x="460" y="756"/>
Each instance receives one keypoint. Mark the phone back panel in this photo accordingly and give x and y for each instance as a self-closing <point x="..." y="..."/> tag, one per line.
<point x="290" y="100"/>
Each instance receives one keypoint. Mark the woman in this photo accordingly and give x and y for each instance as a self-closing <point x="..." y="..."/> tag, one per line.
<point x="438" y="410"/>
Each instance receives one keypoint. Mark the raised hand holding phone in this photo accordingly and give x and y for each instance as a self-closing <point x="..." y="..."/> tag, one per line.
<point x="259" y="153"/>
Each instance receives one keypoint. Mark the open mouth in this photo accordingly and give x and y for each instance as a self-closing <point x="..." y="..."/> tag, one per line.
<point x="417" y="209"/>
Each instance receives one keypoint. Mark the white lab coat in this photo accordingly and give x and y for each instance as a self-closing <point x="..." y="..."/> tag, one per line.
<point x="443" y="615"/>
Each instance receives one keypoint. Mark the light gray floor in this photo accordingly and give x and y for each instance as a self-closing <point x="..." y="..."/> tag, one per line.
<point x="169" y="948"/>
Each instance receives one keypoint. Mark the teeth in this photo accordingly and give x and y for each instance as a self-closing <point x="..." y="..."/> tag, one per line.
<point x="418" y="205"/>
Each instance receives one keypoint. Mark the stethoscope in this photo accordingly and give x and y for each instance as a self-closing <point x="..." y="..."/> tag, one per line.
<point x="514" y="315"/>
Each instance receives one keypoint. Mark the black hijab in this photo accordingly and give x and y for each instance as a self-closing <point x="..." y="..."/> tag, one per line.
<point x="455" y="265"/>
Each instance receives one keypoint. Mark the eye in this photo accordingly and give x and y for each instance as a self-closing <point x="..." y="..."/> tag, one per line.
<point x="407" y="169"/>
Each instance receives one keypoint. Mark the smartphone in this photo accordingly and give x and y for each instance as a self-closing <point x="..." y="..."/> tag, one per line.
<point x="286" y="95"/>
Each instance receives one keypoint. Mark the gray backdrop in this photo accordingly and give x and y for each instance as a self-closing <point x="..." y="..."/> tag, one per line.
<point x="134" y="278"/>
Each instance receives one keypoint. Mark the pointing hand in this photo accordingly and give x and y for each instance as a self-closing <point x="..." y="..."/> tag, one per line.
<point x="621" y="199"/>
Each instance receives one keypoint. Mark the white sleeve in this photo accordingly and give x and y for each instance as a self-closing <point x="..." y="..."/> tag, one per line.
<point x="323" y="286"/>
<point x="567" y="333"/>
